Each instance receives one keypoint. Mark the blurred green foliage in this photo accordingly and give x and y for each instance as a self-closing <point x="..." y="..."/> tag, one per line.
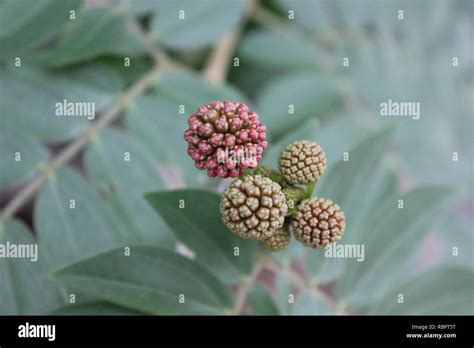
<point x="282" y="62"/>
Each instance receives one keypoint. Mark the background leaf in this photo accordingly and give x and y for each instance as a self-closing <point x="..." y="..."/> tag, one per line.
<point x="94" y="308"/>
<point x="155" y="289"/>
<point x="282" y="61"/>
<point x="30" y="150"/>
<point x="125" y="183"/>
<point x="201" y="229"/>
<point x="261" y="301"/>
<point x="447" y="290"/>
<point x="152" y="115"/>
<point x="345" y="182"/>
<point x="396" y="232"/>
<point x="310" y="15"/>
<point x="311" y="95"/>
<point x="138" y="7"/>
<point x="192" y="91"/>
<point x="26" y="24"/>
<point x="106" y="31"/>
<point x="347" y="131"/>
<point x="283" y="288"/>
<point x="264" y="47"/>
<point x="66" y="234"/>
<point x="28" y="98"/>
<point x="196" y="29"/>
<point x="310" y="303"/>
<point x="20" y="276"/>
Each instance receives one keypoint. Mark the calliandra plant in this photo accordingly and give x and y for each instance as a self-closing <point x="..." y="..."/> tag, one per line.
<point x="260" y="203"/>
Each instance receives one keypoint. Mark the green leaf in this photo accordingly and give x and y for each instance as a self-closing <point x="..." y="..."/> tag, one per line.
<point x="31" y="155"/>
<point x="26" y="24"/>
<point x="312" y="16"/>
<point x="446" y="290"/>
<point x="94" y="308"/>
<point x="93" y="32"/>
<point x="283" y="289"/>
<point x="357" y="16"/>
<point x="251" y="77"/>
<point x="21" y="88"/>
<point x="261" y="301"/>
<point x="192" y="91"/>
<point x="306" y="302"/>
<point x="310" y="303"/>
<point x="292" y="252"/>
<point x="204" y="22"/>
<point x="265" y="47"/>
<point x="125" y="182"/>
<point x="131" y="44"/>
<point x="152" y="115"/>
<point x="390" y="241"/>
<point x="138" y="7"/>
<point x="345" y="183"/>
<point x="155" y="289"/>
<point x="25" y="286"/>
<point x="307" y="95"/>
<point x="459" y="226"/>
<point x="200" y="227"/>
<point x="308" y="131"/>
<point x="69" y="234"/>
<point x="139" y="67"/>
<point x="348" y="133"/>
<point x="350" y="180"/>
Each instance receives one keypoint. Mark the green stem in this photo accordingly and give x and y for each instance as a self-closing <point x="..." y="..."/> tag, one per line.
<point x="274" y="175"/>
<point x="309" y="190"/>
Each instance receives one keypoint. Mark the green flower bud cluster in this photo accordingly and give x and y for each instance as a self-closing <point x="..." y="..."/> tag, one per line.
<point x="267" y="205"/>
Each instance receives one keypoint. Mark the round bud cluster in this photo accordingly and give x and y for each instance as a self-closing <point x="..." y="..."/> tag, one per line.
<point x="318" y="222"/>
<point x="253" y="207"/>
<point x="225" y="138"/>
<point x="278" y="241"/>
<point x="302" y="162"/>
<point x="293" y="196"/>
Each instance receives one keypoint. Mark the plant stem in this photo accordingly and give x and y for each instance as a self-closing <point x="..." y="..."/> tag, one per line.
<point x="309" y="190"/>
<point x="159" y="56"/>
<point x="218" y="62"/>
<point x="244" y="289"/>
<point x="274" y="175"/>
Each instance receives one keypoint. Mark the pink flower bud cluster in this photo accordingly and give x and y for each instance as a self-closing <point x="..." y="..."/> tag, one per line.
<point x="222" y="128"/>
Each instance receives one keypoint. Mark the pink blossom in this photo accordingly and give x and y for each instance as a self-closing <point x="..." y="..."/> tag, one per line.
<point x="225" y="138"/>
